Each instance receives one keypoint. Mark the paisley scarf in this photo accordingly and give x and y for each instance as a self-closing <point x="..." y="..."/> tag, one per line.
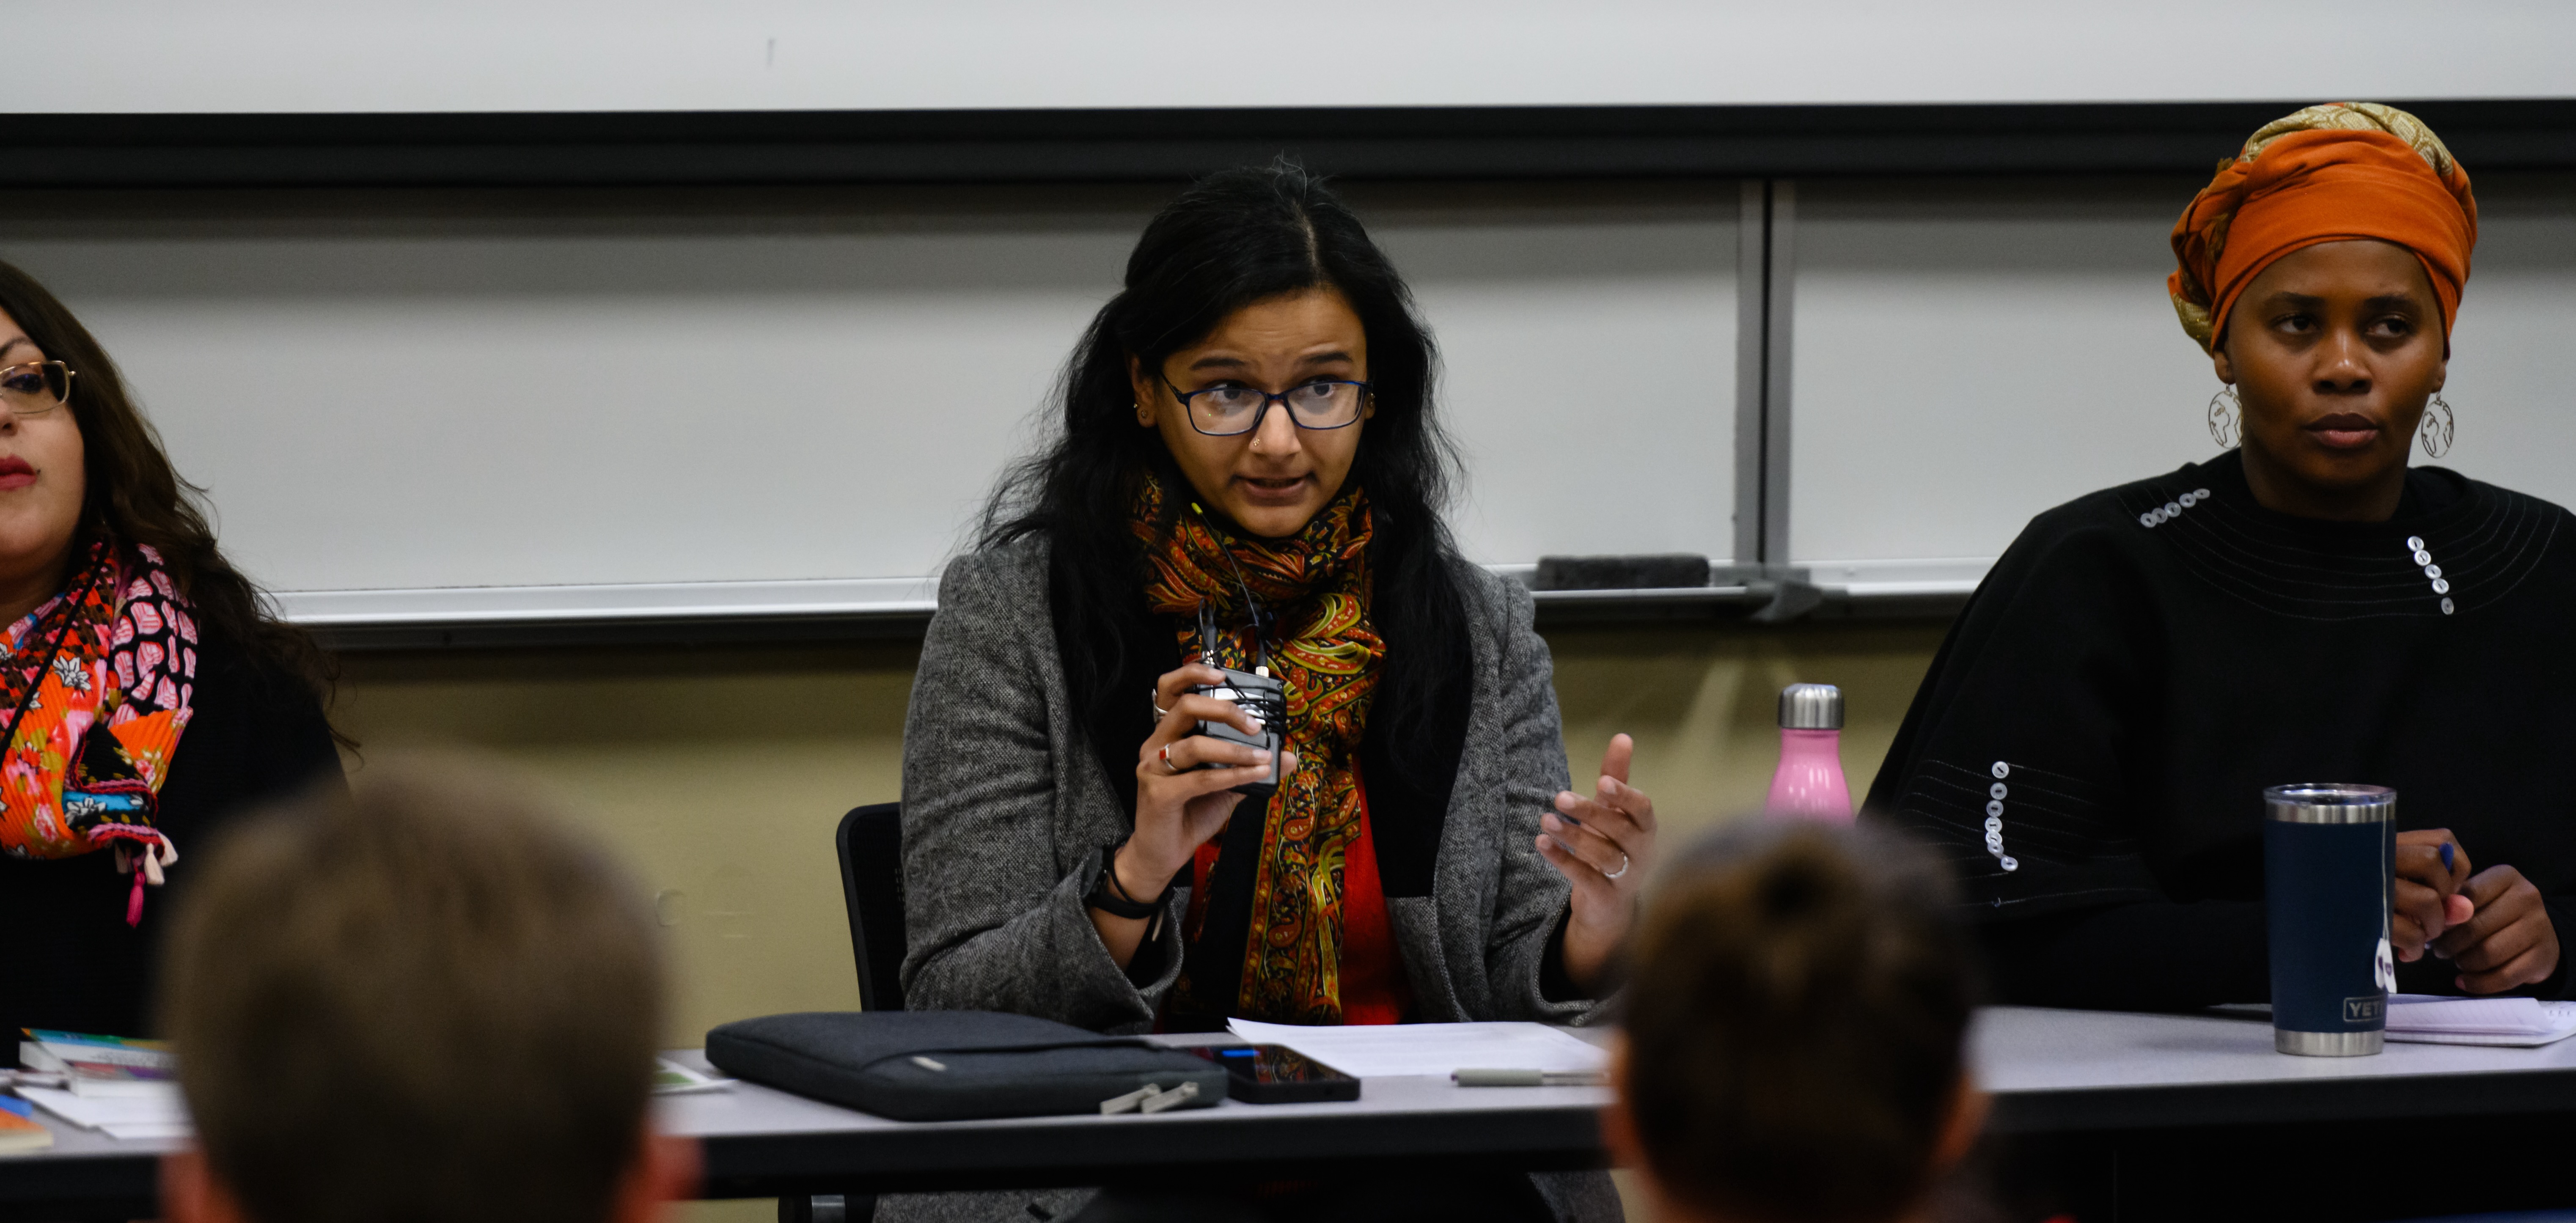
<point x="117" y="651"/>
<point x="1313" y="591"/>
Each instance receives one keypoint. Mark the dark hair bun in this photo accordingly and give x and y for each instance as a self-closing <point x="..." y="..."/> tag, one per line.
<point x="1796" y="1023"/>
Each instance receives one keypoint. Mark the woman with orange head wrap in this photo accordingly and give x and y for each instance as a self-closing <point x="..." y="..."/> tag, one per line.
<point x="2093" y="741"/>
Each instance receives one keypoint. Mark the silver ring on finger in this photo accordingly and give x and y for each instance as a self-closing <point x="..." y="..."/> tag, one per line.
<point x="1624" y="864"/>
<point x="1166" y="754"/>
<point x="1155" y="699"/>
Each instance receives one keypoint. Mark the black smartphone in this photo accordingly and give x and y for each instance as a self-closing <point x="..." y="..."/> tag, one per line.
<point x="1277" y="1074"/>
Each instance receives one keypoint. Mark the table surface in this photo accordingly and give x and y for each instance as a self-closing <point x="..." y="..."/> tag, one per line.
<point x="2051" y="1071"/>
<point x="2055" y="1071"/>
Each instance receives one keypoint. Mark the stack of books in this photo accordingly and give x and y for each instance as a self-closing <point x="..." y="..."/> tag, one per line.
<point x="118" y="1086"/>
<point x="102" y="1067"/>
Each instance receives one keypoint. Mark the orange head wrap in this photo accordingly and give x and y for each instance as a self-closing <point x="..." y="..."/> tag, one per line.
<point x="2328" y="173"/>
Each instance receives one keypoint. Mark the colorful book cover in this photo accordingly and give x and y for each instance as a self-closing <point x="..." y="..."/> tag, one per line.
<point x="19" y="1129"/>
<point x="110" y="1072"/>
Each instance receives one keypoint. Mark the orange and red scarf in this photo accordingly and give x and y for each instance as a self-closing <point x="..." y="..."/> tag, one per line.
<point x="115" y="652"/>
<point x="1314" y="589"/>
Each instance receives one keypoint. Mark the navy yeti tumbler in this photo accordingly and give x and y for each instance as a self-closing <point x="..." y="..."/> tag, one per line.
<point x="2327" y="852"/>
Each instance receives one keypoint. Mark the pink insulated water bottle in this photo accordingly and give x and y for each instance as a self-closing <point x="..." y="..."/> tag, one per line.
<point x="1809" y="785"/>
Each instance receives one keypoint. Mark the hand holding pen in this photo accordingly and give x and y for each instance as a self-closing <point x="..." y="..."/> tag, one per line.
<point x="2431" y="869"/>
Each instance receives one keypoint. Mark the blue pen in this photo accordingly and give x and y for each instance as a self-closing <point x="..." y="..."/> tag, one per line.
<point x="2446" y="855"/>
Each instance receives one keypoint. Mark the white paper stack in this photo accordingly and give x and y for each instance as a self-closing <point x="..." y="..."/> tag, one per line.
<point x="1375" y="1050"/>
<point x="670" y="1078"/>
<point x="2433" y="1019"/>
<point x="162" y="1115"/>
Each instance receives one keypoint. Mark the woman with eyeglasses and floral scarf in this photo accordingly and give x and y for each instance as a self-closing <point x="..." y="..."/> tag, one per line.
<point x="145" y="695"/>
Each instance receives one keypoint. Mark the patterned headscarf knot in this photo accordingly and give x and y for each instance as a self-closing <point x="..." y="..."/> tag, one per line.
<point x="2328" y="173"/>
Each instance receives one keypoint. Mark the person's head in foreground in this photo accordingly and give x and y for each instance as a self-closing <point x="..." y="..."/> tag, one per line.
<point x="2322" y="270"/>
<point x="1793" y="1046"/>
<point x="427" y="1003"/>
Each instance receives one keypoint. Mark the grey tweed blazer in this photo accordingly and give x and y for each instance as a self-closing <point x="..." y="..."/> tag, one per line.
<point x="1006" y="812"/>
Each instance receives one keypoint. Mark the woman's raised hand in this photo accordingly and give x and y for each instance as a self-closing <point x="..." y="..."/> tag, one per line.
<point x="1179" y="805"/>
<point x="1605" y="846"/>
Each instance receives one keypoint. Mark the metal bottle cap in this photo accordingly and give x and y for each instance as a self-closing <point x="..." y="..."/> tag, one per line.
<point x="1811" y="707"/>
<point x="2329" y="803"/>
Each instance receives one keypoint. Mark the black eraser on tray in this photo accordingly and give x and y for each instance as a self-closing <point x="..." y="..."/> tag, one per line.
<point x="1652" y="571"/>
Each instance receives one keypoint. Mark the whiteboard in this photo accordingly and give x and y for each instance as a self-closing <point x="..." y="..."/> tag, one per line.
<point x="445" y="407"/>
<point x="1589" y="341"/>
<point x="548" y="55"/>
<point x="2507" y="386"/>
<point x="1968" y="355"/>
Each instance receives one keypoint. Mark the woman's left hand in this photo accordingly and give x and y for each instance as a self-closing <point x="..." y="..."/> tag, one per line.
<point x="1604" y="846"/>
<point x="2508" y="942"/>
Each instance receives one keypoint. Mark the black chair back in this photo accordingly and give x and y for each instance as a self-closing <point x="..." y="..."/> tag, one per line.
<point x="871" y="846"/>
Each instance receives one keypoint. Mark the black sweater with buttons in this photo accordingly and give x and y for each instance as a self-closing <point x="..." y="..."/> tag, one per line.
<point x="2090" y="749"/>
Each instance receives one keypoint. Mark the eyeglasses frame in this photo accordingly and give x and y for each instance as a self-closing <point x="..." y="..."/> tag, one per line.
<point x="1368" y="393"/>
<point x="64" y="401"/>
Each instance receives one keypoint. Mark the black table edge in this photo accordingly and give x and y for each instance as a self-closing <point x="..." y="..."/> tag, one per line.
<point x="937" y="1156"/>
<point x="708" y="148"/>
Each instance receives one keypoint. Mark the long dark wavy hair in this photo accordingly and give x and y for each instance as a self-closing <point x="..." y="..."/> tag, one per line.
<point x="1232" y="239"/>
<point x="136" y="497"/>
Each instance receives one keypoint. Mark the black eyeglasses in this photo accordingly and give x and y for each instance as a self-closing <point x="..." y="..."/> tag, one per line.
<point x="35" y="388"/>
<point x="1227" y="409"/>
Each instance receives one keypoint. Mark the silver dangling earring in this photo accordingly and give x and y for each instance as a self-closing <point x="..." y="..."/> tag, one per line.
<point x="2435" y="432"/>
<point x="2225" y="409"/>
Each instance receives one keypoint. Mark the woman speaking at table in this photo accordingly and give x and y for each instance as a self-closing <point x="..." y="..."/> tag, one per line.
<point x="1249" y="461"/>
<point x="145" y="694"/>
<point x="2093" y="740"/>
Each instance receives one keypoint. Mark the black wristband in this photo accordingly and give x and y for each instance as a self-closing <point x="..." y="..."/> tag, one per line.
<point x="1108" y="897"/>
